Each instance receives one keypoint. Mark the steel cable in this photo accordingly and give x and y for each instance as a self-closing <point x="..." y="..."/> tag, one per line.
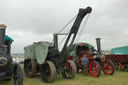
<point x="64" y="28"/>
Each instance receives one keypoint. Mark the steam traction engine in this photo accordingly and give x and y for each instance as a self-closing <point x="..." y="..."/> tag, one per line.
<point x="97" y="60"/>
<point x="45" y="58"/>
<point x="9" y="69"/>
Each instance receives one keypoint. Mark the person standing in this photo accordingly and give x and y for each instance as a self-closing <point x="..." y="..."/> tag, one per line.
<point x="84" y="62"/>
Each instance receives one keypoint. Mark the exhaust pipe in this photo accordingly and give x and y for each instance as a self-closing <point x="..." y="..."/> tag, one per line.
<point x="3" y="47"/>
<point x="99" y="55"/>
<point x="55" y="35"/>
<point x="98" y="45"/>
<point x="2" y="34"/>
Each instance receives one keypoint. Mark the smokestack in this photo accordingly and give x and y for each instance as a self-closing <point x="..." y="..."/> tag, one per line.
<point x="98" y="45"/>
<point x="2" y="34"/>
<point x="55" y="35"/>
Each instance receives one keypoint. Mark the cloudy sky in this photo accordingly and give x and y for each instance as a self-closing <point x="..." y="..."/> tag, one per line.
<point x="36" y="20"/>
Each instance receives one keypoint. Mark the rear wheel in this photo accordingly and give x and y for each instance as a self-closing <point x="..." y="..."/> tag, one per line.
<point x="108" y="67"/>
<point x="28" y="68"/>
<point x="48" y="72"/>
<point x="70" y="70"/>
<point x="18" y="75"/>
<point x="94" y="69"/>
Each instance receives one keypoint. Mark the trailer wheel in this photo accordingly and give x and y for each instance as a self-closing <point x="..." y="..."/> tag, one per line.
<point x="108" y="67"/>
<point x="94" y="69"/>
<point x="18" y="75"/>
<point x="116" y="64"/>
<point x="48" y="72"/>
<point x="28" y="69"/>
<point x="70" y="70"/>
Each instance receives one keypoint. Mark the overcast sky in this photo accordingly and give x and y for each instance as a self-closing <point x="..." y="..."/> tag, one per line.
<point x="30" y="21"/>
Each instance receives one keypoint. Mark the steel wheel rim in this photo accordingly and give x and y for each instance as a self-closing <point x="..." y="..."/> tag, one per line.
<point x="94" y="69"/>
<point x="108" y="68"/>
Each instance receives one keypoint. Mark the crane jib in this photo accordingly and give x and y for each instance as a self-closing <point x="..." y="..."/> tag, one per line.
<point x="73" y="32"/>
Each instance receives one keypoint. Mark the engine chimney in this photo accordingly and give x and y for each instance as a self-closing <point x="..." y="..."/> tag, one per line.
<point x="98" y="45"/>
<point x="2" y="34"/>
<point x="55" y="35"/>
<point x="2" y="37"/>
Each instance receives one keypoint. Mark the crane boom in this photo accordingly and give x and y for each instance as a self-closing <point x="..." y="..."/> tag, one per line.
<point x="73" y="32"/>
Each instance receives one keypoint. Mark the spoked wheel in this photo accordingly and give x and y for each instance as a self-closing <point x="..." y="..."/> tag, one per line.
<point x="70" y="70"/>
<point x="48" y="72"/>
<point x="94" y="69"/>
<point x="116" y="64"/>
<point x="108" y="67"/>
<point x="120" y="66"/>
<point x="28" y="68"/>
<point x="125" y="68"/>
<point x="18" y="75"/>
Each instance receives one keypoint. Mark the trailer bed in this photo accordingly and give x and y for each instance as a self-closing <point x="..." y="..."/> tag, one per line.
<point x="120" y="58"/>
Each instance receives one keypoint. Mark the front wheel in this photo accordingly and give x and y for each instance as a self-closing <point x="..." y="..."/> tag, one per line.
<point x="94" y="69"/>
<point x="69" y="70"/>
<point x="18" y="75"/>
<point x="108" y="67"/>
<point x="48" y="72"/>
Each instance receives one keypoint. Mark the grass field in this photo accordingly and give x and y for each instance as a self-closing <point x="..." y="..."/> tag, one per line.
<point x="119" y="78"/>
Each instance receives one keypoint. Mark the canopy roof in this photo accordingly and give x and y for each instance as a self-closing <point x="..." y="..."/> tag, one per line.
<point x="120" y="50"/>
<point x="74" y="48"/>
<point x="82" y="44"/>
<point x="8" y="38"/>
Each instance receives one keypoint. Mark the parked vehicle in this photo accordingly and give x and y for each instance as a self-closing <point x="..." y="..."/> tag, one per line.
<point x="97" y="60"/>
<point x="45" y="58"/>
<point x="9" y="69"/>
<point x="120" y="61"/>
